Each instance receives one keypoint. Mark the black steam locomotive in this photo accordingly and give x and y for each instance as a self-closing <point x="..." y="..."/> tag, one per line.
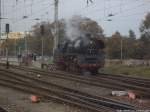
<point x="84" y="54"/>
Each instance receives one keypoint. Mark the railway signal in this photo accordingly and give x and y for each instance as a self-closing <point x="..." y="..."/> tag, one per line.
<point x="7" y="32"/>
<point x="42" y="29"/>
<point x="7" y="28"/>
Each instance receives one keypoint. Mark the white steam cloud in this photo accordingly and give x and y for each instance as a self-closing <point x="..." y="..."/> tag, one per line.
<point x="72" y="28"/>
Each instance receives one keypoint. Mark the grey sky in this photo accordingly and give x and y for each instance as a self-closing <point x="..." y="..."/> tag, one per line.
<point x="128" y="13"/>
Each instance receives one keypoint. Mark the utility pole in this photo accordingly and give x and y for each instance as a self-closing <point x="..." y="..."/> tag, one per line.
<point x="7" y="62"/>
<point x="19" y="55"/>
<point x="19" y="50"/>
<point x="42" y="47"/>
<point x="26" y="43"/>
<point x="0" y="18"/>
<point x="15" y="52"/>
<point x="0" y="25"/>
<point x="121" y="50"/>
<point x="26" y="48"/>
<point x="42" y="51"/>
<point x="56" y="30"/>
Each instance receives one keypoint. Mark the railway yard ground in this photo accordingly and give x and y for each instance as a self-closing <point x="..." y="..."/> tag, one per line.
<point x="93" y="87"/>
<point x="16" y="101"/>
<point x="141" y="71"/>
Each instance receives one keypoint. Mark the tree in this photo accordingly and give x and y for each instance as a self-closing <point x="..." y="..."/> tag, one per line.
<point x="34" y="40"/>
<point x="131" y="45"/>
<point x="13" y="46"/>
<point x="145" y="36"/>
<point x="113" y="46"/>
<point x="132" y="34"/>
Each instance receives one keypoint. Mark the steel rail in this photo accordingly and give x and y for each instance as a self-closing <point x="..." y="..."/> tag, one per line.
<point x="49" y="96"/>
<point x="104" y="103"/>
<point x="96" y="81"/>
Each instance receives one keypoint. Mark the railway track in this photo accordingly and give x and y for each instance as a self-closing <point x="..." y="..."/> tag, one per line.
<point x="127" y="79"/>
<point x="2" y="110"/>
<point x="140" y="79"/>
<point x="140" y="86"/>
<point x="27" y="83"/>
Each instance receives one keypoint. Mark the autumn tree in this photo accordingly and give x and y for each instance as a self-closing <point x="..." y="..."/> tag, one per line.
<point x="113" y="46"/>
<point x="132" y="34"/>
<point x="34" y="40"/>
<point x="130" y="44"/>
<point x="145" y="36"/>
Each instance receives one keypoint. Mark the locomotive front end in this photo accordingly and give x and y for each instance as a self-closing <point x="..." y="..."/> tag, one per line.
<point x="93" y="56"/>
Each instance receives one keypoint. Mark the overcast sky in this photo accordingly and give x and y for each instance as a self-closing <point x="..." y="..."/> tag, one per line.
<point x="128" y="14"/>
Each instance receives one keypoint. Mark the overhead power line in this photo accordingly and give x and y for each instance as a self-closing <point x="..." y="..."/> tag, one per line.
<point x="104" y="8"/>
<point x="38" y="12"/>
<point x="25" y="6"/>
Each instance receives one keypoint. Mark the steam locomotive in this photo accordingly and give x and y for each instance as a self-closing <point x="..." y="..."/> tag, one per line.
<point x="84" y="54"/>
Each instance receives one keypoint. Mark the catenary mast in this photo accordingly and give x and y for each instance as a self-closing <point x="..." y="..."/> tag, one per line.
<point x="56" y="29"/>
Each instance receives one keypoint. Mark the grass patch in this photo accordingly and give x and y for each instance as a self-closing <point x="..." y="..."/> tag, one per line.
<point x="142" y="71"/>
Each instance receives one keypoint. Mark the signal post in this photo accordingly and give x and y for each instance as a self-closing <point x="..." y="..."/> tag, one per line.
<point x="7" y="32"/>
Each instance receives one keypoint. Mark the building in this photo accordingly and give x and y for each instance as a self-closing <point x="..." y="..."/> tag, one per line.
<point x="13" y="35"/>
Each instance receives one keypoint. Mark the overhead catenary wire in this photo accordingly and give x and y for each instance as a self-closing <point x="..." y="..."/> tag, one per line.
<point x="38" y="12"/>
<point x="105" y="8"/>
<point x="122" y="12"/>
<point x="122" y="18"/>
<point x="92" y="13"/>
<point x="32" y="13"/>
<point x="133" y="14"/>
<point x="18" y="18"/>
<point x="40" y="2"/>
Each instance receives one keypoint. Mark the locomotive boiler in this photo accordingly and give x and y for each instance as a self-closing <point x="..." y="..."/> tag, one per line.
<point x="84" y="54"/>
